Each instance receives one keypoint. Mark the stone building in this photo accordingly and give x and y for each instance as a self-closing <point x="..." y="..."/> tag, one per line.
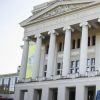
<point x="7" y="86"/>
<point x="66" y="62"/>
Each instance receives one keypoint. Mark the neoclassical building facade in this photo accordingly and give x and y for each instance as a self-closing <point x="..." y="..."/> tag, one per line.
<point x="66" y="63"/>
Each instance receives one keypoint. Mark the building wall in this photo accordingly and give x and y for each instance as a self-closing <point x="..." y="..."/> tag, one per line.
<point x="81" y="82"/>
<point x="7" y="85"/>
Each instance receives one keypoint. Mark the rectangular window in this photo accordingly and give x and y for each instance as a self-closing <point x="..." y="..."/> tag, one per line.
<point x="93" y="40"/>
<point x="63" y="45"/>
<point x="47" y="49"/>
<point x="60" y="46"/>
<point x="77" y="66"/>
<point x="72" y="68"/>
<point x="59" y="69"/>
<point x="78" y="43"/>
<point x="73" y="44"/>
<point x="88" y="41"/>
<point x="88" y="62"/>
<point x="93" y="61"/>
<point x="72" y="64"/>
<point x="12" y="84"/>
<point x="45" y="71"/>
<point x="6" y="85"/>
<point x="92" y="64"/>
<point x="0" y="81"/>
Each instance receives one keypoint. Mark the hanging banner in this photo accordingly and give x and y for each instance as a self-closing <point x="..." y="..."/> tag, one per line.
<point x="30" y="60"/>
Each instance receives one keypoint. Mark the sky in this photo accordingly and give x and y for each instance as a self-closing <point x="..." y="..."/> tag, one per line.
<point x="12" y="12"/>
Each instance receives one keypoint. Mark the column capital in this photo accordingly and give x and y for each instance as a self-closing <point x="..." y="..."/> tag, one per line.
<point x="68" y="28"/>
<point x="53" y="32"/>
<point x="85" y="23"/>
<point x="39" y="36"/>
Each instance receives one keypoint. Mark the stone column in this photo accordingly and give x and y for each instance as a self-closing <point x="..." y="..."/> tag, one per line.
<point x="17" y="94"/>
<point x="67" y="51"/>
<point x="55" y="61"/>
<point x="97" y="48"/>
<point x="45" y="93"/>
<point x="81" y="92"/>
<point x="51" y="53"/>
<point x="84" y="48"/>
<point x="41" y="71"/>
<point x="37" y="57"/>
<point x="63" y="93"/>
<point x="31" y="94"/>
<point x="23" y="68"/>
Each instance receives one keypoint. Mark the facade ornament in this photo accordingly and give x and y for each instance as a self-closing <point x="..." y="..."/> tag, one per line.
<point x="59" y="10"/>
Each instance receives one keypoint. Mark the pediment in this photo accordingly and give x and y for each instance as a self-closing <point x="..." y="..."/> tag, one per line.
<point x="56" y="10"/>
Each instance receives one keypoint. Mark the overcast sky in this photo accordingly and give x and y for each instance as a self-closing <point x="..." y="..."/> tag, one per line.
<point x="12" y="12"/>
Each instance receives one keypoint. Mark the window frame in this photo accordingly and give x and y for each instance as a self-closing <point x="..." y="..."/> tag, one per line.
<point x="59" y="70"/>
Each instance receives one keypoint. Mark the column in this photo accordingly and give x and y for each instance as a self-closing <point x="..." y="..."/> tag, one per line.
<point x="45" y="93"/>
<point x="63" y="93"/>
<point x="55" y="60"/>
<point x="81" y="92"/>
<point x="84" y="48"/>
<point x="17" y="94"/>
<point x="31" y="94"/>
<point x="41" y="71"/>
<point x="23" y="68"/>
<point x="67" y="51"/>
<point x="97" y="48"/>
<point x="51" y="53"/>
<point x="37" y="57"/>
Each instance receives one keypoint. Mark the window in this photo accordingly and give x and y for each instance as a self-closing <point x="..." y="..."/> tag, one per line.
<point x="78" y="43"/>
<point x="47" y="49"/>
<point x="88" y="62"/>
<point x="59" y="69"/>
<point x="63" y="45"/>
<point x="73" y="44"/>
<point x="45" y="71"/>
<point x="60" y="46"/>
<point x="88" y="65"/>
<point x="72" y="67"/>
<point x="77" y="66"/>
<point x="12" y="84"/>
<point x="6" y="81"/>
<point x="88" y="41"/>
<point x="93" y="61"/>
<point x="6" y="85"/>
<point x="0" y="81"/>
<point x="93" y="40"/>
<point x="91" y="64"/>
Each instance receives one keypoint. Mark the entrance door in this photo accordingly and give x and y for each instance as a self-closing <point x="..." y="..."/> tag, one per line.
<point x="72" y="94"/>
<point x="91" y="93"/>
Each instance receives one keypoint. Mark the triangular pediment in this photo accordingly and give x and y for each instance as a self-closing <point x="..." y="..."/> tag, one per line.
<point x="56" y="9"/>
